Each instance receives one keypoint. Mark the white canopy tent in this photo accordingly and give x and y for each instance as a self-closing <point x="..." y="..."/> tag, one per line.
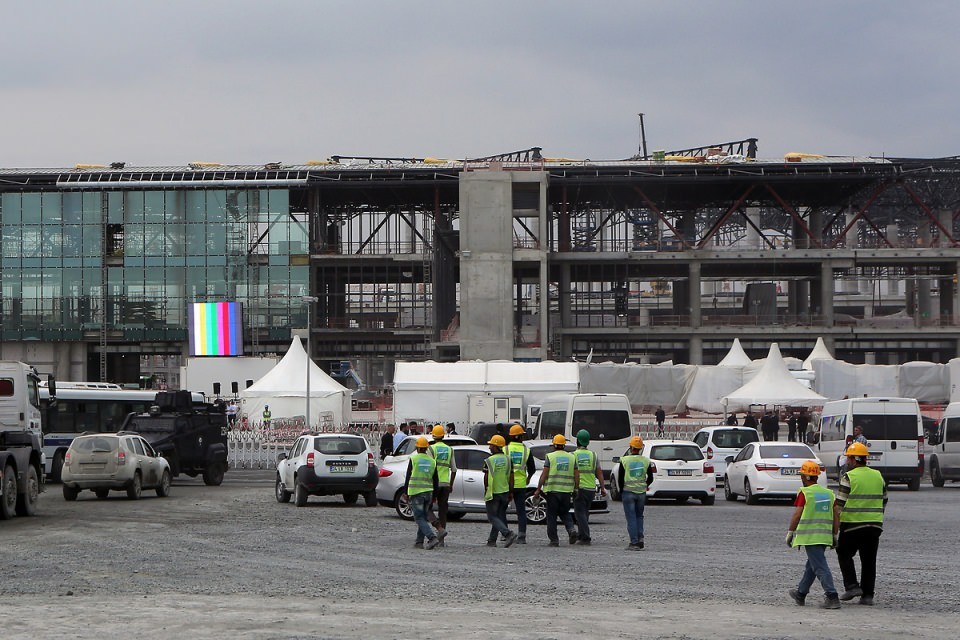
<point x="820" y="352"/>
<point x="773" y="385"/>
<point x="736" y="356"/>
<point x="284" y="389"/>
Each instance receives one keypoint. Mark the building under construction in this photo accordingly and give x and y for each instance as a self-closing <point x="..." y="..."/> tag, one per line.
<point x="517" y="257"/>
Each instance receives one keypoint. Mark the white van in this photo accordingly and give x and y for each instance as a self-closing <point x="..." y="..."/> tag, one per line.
<point x="893" y="428"/>
<point x="945" y="447"/>
<point x="607" y="417"/>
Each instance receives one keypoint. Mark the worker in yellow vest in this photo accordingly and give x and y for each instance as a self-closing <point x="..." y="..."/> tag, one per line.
<point x="266" y="416"/>
<point x="498" y="485"/>
<point x="814" y="527"/>
<point x="558" y="480"/>
<point x="421" y="482"/>
<point x="446" y="474"/>
<point x="591" y="477"/>
<point x="523" y="470"/>
<point x="635" y="474"/>
<point x="861" y="501"/>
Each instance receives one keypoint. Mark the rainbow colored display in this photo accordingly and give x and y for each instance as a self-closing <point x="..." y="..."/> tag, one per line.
<point x="216" y="329"/>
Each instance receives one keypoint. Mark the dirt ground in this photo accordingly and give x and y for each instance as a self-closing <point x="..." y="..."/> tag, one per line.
<point x="229" y="561"/>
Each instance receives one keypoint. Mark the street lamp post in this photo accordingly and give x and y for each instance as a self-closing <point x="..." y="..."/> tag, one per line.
<point x="308" y="300"/>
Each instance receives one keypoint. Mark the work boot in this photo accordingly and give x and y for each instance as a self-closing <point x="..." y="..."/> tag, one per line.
<point x="554" y="543"/>
<point x="511" y="538"/>
<point x="830" y="602"/>
<point x="432" y="542"/>
<point x="799" y="599"/>
<point x="573" y="537"/>
<point x="441" y="533"/>
<point x="867" y="600"/>
<point x="491" y="543"/>
<point x="633" y="547"/>
<point x="850" y="594"/>
<point x="586" y="542"/>
<point x="521" y="539"/>
<point x="418" y="545"/>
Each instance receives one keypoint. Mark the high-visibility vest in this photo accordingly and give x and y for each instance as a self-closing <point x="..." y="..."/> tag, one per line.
<point x="422" y="467"/>
<point x="865" y="500"/>
<point x="498" y="475"/>
<point x="518" y="454"/>
<point x="635" y="473"/>
<point x="442" y="453"/>
<point x="587" y="463"/>
<point x="816" y="520"/>
<point x="560" y="476"/>
<point x="266" y="415"/>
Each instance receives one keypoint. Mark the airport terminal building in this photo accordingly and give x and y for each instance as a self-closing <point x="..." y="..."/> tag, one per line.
<point x="514" y="257"/>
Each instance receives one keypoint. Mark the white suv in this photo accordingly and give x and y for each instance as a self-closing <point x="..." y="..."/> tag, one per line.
<point x="717" y="443"/>
<point x="328" y="464"/>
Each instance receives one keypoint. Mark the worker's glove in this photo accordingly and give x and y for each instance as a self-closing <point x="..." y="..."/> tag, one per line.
<point x="789" y="538"/>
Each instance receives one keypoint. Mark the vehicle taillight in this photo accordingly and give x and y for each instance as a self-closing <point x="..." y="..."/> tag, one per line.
<point x="310" y="459"/>
<point x="920" y="442"/>
<point x="708" y="468"/>
<point x="370" y="461"/>
<point x="66" y="459"/>
<point x="766" y="466"/>
<point x="385" y="473"/>
<point x="653" y="467"/>
<point x="121" y="457"/>
<point x="709" y="453"/>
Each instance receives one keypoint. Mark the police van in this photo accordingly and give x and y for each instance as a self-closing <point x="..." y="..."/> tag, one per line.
<point x="893" y="428"/>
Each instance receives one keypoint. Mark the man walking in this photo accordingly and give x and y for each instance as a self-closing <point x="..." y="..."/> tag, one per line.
<point x="386" y="441"/>
<point x="635" y="475"/>
<point x="803" y="422"/>
<point x="861" y="501"/>
<point x="523" y="469"/>
<point x="814" y="527"/>
<point x="498" y="484"/>
<point x="446" y="474"/>
<point x="421" y="481"/>
<point x="792" y="427"/>
<point x="660" y="416"/>
<point x="591" y="476"/>
<point x="749" y="420"/>
<point x="557" y="480"/>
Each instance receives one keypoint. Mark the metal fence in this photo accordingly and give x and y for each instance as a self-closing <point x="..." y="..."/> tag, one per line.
<point x="257" y="446"/>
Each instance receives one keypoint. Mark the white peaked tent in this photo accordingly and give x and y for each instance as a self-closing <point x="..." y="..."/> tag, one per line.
<point x="820" y="352"/>
<point x="284" y="388"/>
<point x="773" y="385"/>
<point x="736" y="356"/>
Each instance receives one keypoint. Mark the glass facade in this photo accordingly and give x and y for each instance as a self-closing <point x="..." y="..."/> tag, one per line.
<point x="75" y="262"/>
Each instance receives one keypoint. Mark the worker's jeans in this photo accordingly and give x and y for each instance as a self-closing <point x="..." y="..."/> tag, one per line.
<point x="420" y="503"/>
<point x="582" y="500"/>
<point x="817" y="567"/>
<point x="439" y="519"/>
<point x="558" y="506"/>
<point x="497" y="515"/>
<point x="633" y="505"/>
<point x="864" y="541"/>
<point x="520" y="504"/>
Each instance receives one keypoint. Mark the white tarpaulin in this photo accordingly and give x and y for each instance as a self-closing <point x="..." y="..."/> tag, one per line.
<point x="928" y="382"/>
<point x="736" y="356"/>
<point x="710" y="384"/>
<point x="284" y="389"/>
<point x="773" y="385"/>
<point x="820" y="352"/>
<point x="647" y="386"/>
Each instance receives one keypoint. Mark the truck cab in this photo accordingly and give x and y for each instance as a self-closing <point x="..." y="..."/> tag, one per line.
<point x="21" y="439"/>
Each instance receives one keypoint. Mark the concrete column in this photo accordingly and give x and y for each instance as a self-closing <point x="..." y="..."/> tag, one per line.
<point x="826" y="293"/>
<point x="564" y="296"/>
<point x="696" y="350"/>
<point x="815" y="221"/>
<point x="694" y="296"/>
<point x="754" y="240"/>
<point x="924" y="297"/>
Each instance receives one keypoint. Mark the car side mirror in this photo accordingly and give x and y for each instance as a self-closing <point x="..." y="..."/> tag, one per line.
<point x="728" y="459"/>
<point x="281" y="457"/>
<point x="616" y="459"/>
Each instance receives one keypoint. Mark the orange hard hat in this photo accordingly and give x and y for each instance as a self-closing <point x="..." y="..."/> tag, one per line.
<point x="559" y="440"/>
<point x="810" y="468"/>
<point x="636" y="442"/>
<point x="438" y="431"/>
<point x="498" y="441"/>
<point x="422" y="443"/>
<point x="857" y="449"/>
<point x="516" y="430"/>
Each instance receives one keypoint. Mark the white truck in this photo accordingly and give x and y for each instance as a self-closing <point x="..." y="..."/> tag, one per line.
<point x="21" y="439"/>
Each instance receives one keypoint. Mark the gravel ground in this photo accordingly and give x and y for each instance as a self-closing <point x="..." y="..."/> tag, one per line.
<point x="212" y="562"/>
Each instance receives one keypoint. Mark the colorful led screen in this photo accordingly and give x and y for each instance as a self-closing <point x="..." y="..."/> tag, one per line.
<point x="216" y="329"/>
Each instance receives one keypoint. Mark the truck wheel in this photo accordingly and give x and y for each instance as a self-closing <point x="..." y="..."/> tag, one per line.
<point x="163" y="489"/>
<point x="370" y="498"/>
<point x="8" y="501"/>
<point x="56" y="469"/>
<point x="936" y="476"/>
<point x="913" y="484"/>
<point x="70" y="493"/>
<point x="136" y="487"/>
<point x="27" y="501"/>
<point x="282" y="494"/>
<point x="350" y="497"/>
<point x="213" y="475"/>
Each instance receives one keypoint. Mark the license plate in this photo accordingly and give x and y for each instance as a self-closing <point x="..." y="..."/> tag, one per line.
<point x="789" y="472"/>
<point x="679" y="472"/>
<point x="342" y="469"/>
<point x="873" y="456"/>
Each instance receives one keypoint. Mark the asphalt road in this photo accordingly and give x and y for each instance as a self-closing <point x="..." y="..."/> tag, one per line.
<point x="229" y="561"/>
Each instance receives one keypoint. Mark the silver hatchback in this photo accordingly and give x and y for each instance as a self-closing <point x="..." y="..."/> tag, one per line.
<point x="104" y="462"/>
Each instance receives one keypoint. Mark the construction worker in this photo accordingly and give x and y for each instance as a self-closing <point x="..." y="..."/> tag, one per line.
<point x="446" y="474"/>
<point x="634" y="476"/>
<point x="558" y="480"/>
<point x="421" y="482"/>
<point x="266" y="416"/>
<point x="861" y="501"/>
<point x="591" y="477"/>
<point x="814" y="527"/>
<point x="498" y="485"/>
<point x="523" y="470"/>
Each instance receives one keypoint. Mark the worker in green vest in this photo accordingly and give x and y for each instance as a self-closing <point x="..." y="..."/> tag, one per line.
<point x="446" y="474"/>
<point x="558" y="480"/>
<point x="814" y="527"/>
<point x="498" y="485"/>
<point x="266" y="416"/>
<point x="591" y="477"/>
<point x="523" y="470"/>
<point x="861" y="501"/>
<point x="421" y="482"/>
<point x="634" y="475"/>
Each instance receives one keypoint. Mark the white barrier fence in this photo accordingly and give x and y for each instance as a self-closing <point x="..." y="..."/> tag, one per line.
<point x="256" y="446"/>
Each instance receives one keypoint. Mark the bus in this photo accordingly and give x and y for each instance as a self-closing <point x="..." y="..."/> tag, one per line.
<point x="87" y="406"/>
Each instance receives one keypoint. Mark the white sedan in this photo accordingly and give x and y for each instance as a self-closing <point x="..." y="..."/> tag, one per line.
<point x="768" y="470"/>
<point x="680" y="472"/>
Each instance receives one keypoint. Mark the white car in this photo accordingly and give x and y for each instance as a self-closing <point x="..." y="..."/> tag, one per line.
<point x="327" y="464"/>
<point x="720" y="442"/>
<point x="680" y="472"/>
<point x="768" y="469"/>
<point x="408" y="446"/>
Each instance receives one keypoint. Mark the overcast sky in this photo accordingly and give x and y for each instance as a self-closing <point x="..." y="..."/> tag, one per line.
<point x="244" y="82"/>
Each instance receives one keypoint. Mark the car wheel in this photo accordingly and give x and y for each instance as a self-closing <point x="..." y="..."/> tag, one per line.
<point x="299" y="494"/>
<point x="213" y="475"/>
<point x="282" y="494"/>
<point x="936" y="476"/>
<point x="748" y="493"/>
<point x="70" y="493"/>
<point x="350" y="497"/>
<point x="536" y="507"/>
<point x="8" y="501"/>
<point x="402" y="505"/>
<point x="56" y="469"/>
<point x="727" y="491"/>
<point x="27" y="501"/>
<point x="136" y="487"/>
<point x="615" y="491"/>
<point x="913" y="484"/>
<point x="163" y="490"/>
<point x="453" y="516"/>
<point x="101" y="493"/>
<point x="709" y="500"/>
<point x="370" y="498"/>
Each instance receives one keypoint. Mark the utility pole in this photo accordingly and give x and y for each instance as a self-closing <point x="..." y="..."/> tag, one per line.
<point x="309" y="300"/>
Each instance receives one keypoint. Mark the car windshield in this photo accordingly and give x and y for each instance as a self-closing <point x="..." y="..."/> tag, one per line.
<point x="686" y="452"/>
<point x="94" y="444"/>
<point x="734" y="438"/>
<point x="768" y="451"/>
<point x="345" y="445"/>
